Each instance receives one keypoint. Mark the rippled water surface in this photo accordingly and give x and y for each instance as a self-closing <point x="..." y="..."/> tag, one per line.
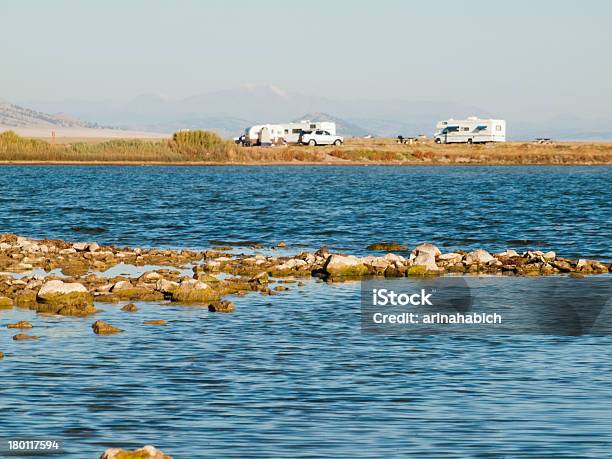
<point x="562" y="208"/>
<point x="292" y="375"/>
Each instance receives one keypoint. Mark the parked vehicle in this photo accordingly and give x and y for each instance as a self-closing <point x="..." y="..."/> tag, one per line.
<point x="472" y="130"/>
<point x="286" y="132"/>
<point x="320" y="137"/>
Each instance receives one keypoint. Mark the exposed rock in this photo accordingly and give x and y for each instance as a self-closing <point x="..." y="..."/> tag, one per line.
<point x="222" y="306"/>
<point x="155" y="322"/>
<point x="102" y="328"/>
<point x="5" y="302"/>
<point x="281" y="244"/>
<point x="452" y="257"/>
<point x="280" y="288"/>
<point x="387" y="246"/>
<point x="562" y="266"/>
<point x="130" y="307"/>
<point x="344" y="266"/>
<point x="479" y="256"/>
<point x="509" y="253"/>
<point x="26" y="299"/>
<point x="166" y="286"/>
<point x="259" y="281"/>
<point x="1" y="355"/>
<point x="146" y="452"/>
<point x="22" y="324"/>
<point x="69" y="299"/>
<point x="426" y="247"/>
<point x="23" y="337"/>
<point x="194" y="291"/>
<point x="426" y="260"/>
<point x="549" y="256"/>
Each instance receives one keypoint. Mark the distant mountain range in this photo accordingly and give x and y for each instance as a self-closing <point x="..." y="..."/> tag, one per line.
<point x="228" y="112"/>
<point x="12" y="115"/>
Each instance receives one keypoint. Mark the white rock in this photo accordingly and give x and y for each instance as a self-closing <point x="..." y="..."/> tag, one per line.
<point x="550" y="255"/>
<point x="122" y="285"/>
<point x="58" y="287"/>
<point x="509" y="253"/>
<point x="479" y="256"/>
<point x="427" y="260"/>
<point x="166" y="286"/>
<point x="291" y="264"/>
<point x="80" y="246"/>
<point x="426" y="247"/>
<point x="337" y="263"/>
<point x="451" y="256"/>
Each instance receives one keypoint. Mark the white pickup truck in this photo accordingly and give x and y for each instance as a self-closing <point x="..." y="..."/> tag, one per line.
<point x="320" y="137"/>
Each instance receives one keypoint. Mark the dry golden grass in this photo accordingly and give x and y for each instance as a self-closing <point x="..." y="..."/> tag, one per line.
<point x="206" y="148"/>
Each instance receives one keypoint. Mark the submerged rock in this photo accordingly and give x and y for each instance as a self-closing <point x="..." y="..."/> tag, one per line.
<point x="130" y="307"/>
<point x="22" y="324"/>
<point x="155" y="322"/>
<point x="24" y="337"/>
<point x="146" y="452"/>
<point x="102" y="328"/>
<point x="387" y="246"/>
<point x="222" y="306"/>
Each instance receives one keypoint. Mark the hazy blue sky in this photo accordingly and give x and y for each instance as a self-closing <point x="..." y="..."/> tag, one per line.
<point x="511" y="56"/>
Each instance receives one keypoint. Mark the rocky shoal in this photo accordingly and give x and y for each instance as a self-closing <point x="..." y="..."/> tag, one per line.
<point x="218" y="274"/>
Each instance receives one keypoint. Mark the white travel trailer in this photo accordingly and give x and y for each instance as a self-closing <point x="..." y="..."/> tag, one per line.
<point x="287" y="132"/>
<point x="472" y="130"/>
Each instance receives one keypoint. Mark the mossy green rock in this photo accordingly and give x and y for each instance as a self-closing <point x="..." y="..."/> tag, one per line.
<point x="419" y="270"/>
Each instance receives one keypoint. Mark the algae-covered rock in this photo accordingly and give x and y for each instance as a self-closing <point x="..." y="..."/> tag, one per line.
<point x="344" y="266"/>
<point x="387" y="246"/>
<point x="420" y="270"/>
<point x="194" y="291"/>
<point x="103" y="328"/>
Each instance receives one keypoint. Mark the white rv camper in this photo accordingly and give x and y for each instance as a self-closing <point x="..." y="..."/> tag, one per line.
<point x="472" y="130"/>
<point x="288" y="132"/>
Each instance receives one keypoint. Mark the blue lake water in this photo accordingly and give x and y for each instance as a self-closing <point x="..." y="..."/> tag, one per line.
<point x="292" y="375"/>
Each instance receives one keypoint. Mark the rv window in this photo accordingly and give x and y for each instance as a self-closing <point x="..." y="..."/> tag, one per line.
<point x="498" y="128"/>
<point x="296" y="131"/>
<point x="286" y="131"/>
<point x="313" y="126"/>
<point x="465" y="128"/>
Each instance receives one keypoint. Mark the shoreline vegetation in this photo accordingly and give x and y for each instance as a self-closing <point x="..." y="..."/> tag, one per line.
<point x="207" y="148"/>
